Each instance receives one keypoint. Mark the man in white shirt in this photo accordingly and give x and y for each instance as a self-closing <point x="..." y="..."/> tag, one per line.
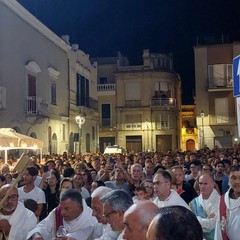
<point x="228" y="220"/>
<point x="165" y="196"/>
<point x="72" y="215"/>
<point x="206" y="205"/>
<point x="30" y="191"/>
<point x="15" y="219"/>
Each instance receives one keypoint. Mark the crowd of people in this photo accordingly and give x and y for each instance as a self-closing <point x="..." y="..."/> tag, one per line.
<point x="143" y="196"/>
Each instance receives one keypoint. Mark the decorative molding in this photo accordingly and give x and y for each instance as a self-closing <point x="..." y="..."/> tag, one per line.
<point x="53" y="73"/>
<point x="33" y="67"/>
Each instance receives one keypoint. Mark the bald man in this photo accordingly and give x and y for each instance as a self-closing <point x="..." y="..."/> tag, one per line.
<point x="137" y="219"/>
<point x="15" y="219"/>
<point x="205" y="206"/>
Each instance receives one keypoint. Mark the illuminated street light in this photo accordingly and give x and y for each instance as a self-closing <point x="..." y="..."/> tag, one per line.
<point x="80" y="121"/>
<point x="202" y="115"/>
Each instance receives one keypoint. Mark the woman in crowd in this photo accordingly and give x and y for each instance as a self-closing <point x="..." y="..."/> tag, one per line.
<point x="66" y="183"/>
<point x="51" y="193"/>
<point x="87" y="179"/>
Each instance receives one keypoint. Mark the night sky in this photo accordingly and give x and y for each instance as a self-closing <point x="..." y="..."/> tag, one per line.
<point x="103" y="27"/>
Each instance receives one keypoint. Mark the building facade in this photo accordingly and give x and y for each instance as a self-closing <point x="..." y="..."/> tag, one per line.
<point x="45" y="83"/>
<point x="139" y="106"/>
<point x="215" y="104"/>
<point x="189" y="136"/>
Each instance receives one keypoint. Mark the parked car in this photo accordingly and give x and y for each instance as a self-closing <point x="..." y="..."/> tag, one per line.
<point x="114" y="149"/>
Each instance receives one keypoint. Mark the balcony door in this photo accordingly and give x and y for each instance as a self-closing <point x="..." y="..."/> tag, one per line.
<point x="32" y="102"/>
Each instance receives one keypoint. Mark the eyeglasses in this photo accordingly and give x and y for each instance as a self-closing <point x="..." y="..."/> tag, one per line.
<point x="107" y="214"/>
<point x="206" y="169"/>
<point x="12" y="197"/>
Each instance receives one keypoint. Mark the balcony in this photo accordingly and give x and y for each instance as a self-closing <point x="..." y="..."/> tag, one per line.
<point x="223" y="119"/>
<point x="36" y="106"/>
<point x="93" y="103"/>
<point x="220" y="83"/>
<point x="163" y="102"/>
<point x="105" y="123"/>
<point x="106" y="89"/>
<point x="87" y="102"/>
<point x="133" y="103"/>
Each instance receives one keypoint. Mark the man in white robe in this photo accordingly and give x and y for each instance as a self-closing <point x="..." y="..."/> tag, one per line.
<point x="15" y="220"/>
<point x="164" y="195"/>
<point x="76" y="217"/>
<point x="103" y="230"/>
<point x="228" y="220"/>
<point x="206" y="205"/>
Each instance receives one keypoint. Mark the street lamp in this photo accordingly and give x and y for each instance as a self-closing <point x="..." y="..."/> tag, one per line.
<point x="202" y="116"/>
<point x="80" y="121"/>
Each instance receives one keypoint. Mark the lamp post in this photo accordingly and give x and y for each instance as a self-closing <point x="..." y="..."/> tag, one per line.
<point x="202" y="116"/>
<point x="80" y="121"/>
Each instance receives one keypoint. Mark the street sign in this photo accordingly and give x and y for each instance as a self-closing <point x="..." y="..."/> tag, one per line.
<point x="238" y="115"/>
<point x="236" y="76"/>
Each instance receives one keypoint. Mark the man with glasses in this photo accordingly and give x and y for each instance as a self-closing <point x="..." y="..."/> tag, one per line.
<point x="115" y="204"/>
<point x="165" y="196"/>
<point x="15" y="219"/>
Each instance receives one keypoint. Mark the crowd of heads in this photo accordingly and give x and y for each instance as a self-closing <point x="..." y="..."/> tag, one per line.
<point x="151" y="174"/>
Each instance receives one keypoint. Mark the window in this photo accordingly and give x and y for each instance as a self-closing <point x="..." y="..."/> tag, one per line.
<point x="53" y="92"/>
<point x="93" y="133"/>
<point x="221" y="110"/>
<point x="220" y="75"/>
<point x="163" y="121"/>
<point x="132" y="91"/>
<point x="32" y="90"/>
<point x="102" y="80"/>
<point x="106" y="115"/>
<point x="53" y="76"/>
<point x="133" y="122"/>
<point x="82" y="91"/>
<point x="163" y="89"/>
<point x="64" y="132"/>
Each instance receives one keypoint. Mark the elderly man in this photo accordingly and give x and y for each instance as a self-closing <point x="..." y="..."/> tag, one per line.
<point x="102" y="230"/>
<point x="228" y="221"/>
<point x="137" y="175"/>
<point x="115" y="203"/>
<point x="73" y="216"/>
<point x="165" y="196"/>
<point x="15" y="219"/>
<point x="205" y="206"/>
<point x="137" y="219"/>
